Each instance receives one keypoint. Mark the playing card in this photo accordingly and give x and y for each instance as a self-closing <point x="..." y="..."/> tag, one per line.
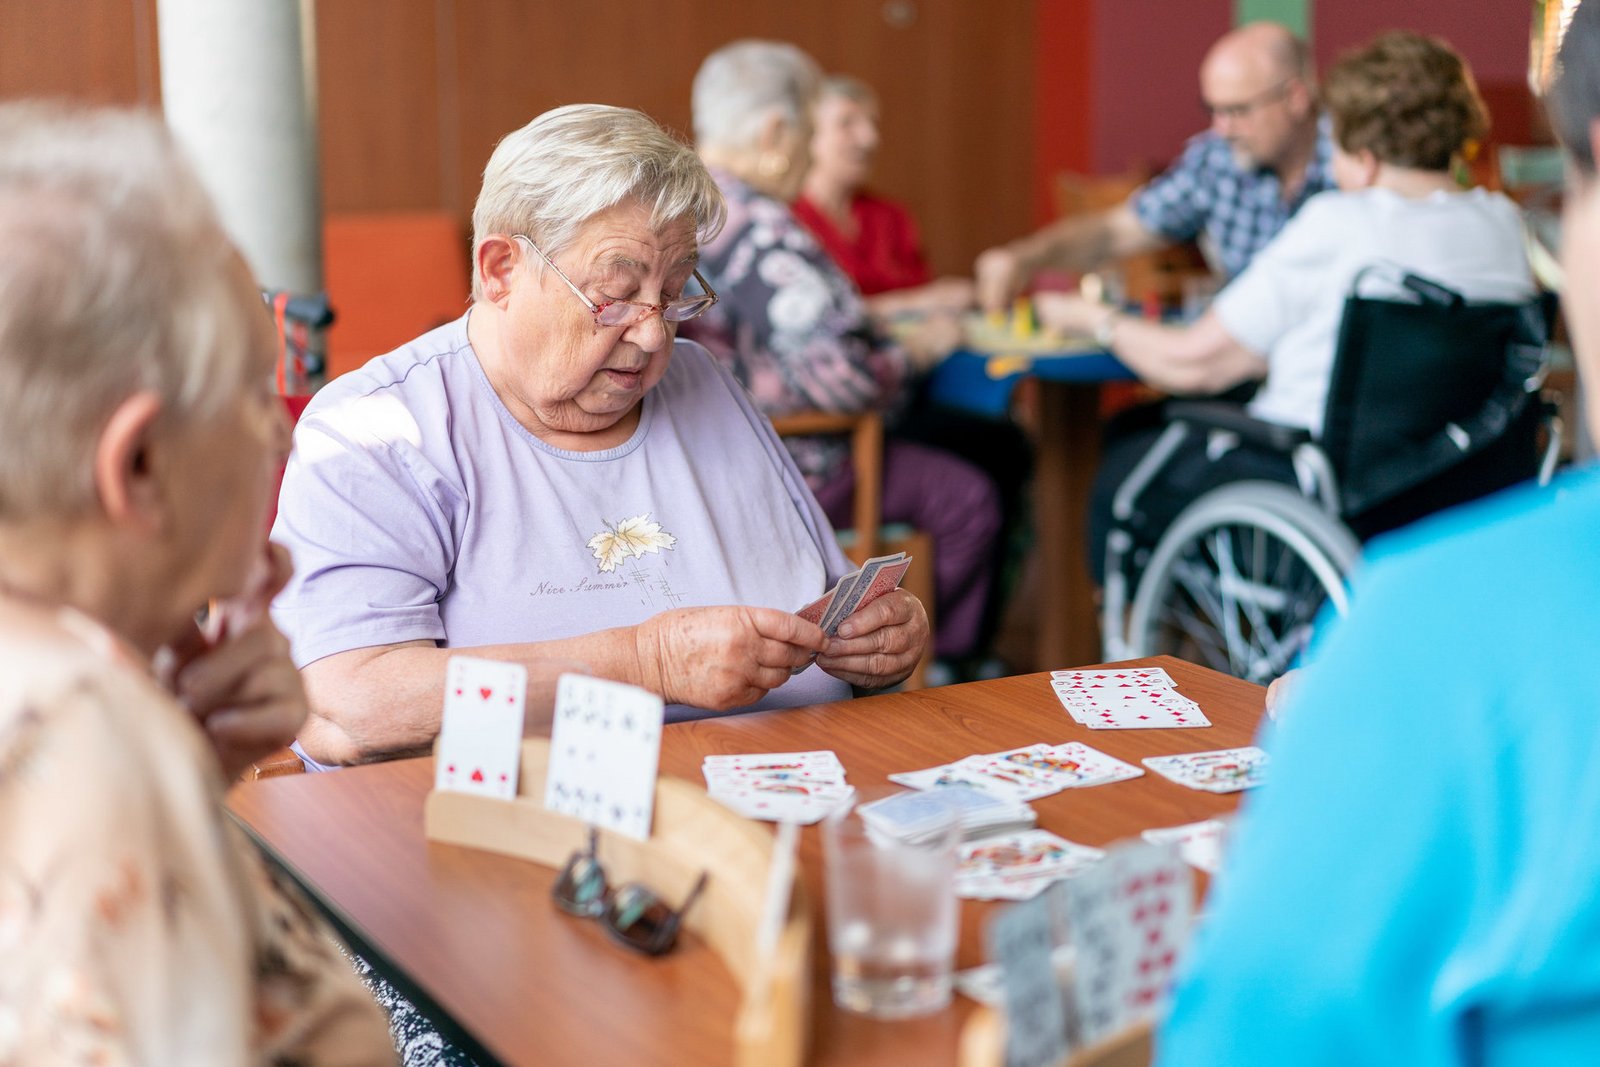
<point x="1227" y="770"/>
<point x="1141" y="711"/>
<point x="480" y="731"/>
<point x="787" y="786"/>
<point x="887" y="580"/>
<point x="1076" y="765"/>
<point x="1018" y="866"/>
<point x="1018" y="940"/>
<point x="1129" y="917"/>
<point x="1115" y="679"/>
<point x="605" y="748"/>
<point x="1200" y="844"/>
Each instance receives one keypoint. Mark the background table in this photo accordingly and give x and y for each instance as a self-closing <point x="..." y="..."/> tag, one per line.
<point x="1068" y="442"/>
<point x="478" y="935"/>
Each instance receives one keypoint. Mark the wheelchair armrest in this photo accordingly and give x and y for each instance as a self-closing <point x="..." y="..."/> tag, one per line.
<point x="1234" y="419"/>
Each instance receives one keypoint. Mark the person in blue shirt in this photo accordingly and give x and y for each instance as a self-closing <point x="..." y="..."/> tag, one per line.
<point x="1235" y="185"/>
<point x="1419" y="884"/>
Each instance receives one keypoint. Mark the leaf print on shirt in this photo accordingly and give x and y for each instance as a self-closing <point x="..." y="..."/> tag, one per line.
<point x="628" y="539"/>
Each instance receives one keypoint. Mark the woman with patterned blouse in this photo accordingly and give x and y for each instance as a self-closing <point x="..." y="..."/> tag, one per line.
<point x="139" y="437"/>
<point x="795" y="332"/>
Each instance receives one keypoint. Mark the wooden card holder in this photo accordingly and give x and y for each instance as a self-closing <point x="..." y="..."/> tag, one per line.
<point x="692" y="833"/>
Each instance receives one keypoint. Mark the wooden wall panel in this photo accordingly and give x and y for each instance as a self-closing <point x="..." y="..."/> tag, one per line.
<point x="102" y="51"/>
<point x="415" y="93"/>
<point x="384" y="106"/>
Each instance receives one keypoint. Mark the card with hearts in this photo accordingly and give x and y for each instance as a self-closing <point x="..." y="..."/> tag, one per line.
<point x="480" y="730"/>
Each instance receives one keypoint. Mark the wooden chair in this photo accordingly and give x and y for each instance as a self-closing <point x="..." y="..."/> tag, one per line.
<point x="868" y="536"/>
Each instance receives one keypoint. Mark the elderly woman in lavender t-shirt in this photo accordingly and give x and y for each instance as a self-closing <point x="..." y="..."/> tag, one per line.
<point x="555" y="481"/>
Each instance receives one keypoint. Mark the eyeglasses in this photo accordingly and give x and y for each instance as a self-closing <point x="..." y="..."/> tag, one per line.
<point x="1241" y="110"/>
<point x="628" y="312"/>
<point x="631" y="914"/>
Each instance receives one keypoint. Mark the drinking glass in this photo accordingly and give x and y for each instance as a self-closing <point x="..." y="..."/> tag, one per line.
<point x="892" y="915"/>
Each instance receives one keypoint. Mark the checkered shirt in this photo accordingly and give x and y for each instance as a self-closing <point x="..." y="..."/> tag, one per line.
<point x="1238" y="211"/>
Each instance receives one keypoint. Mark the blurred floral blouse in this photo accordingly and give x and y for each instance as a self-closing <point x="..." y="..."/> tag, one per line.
<point x="790" y="325"/>
<point x="137" y="924"/>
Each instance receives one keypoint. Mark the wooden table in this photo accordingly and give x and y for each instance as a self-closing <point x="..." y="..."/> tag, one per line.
<point x="1068" y="443"/>
<point x="478" y="935"/>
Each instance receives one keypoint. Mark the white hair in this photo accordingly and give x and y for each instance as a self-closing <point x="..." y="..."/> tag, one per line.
<point x="741" y="86"/>
<point x="568" y="165"/>
<point x="117" y="277"/>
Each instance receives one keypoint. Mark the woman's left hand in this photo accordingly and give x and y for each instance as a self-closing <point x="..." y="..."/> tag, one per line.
<point x="880" y="644"/>
<point x="242" y="686"/>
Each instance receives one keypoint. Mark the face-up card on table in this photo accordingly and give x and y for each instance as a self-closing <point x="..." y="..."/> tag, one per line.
<point x="1227" y="770"/>
<point x="605" y="750"/>
<point x="1129" y="916"/>
<point x="1036" y="1024"/>
<point x="480" y="731"/>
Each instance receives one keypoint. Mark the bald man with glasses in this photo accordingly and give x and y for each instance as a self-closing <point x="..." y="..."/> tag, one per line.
<point x="1236" y="184"/>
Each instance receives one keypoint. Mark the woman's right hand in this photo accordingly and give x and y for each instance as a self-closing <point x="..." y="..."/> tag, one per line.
<point x="723" y="657"/>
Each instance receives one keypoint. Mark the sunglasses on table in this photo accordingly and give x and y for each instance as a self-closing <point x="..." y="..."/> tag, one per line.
<point x="632" y="914"/>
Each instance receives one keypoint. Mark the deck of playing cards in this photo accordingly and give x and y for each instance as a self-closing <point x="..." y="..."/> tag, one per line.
<point x="919" y="816"/>
<point x="1227" y="770"/>
<point x="798" y="787"/>
<point x="1018" y="866"/>
<point x="1132" y="698"/>
<point x="1023" y="774"/>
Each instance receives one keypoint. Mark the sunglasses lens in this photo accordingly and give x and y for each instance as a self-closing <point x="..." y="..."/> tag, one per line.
<point x="638" y="918"/>
<point x="581" y="888"/>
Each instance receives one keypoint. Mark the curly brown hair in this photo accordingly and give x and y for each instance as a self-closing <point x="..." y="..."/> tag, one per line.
<point x="1408" y="99"/>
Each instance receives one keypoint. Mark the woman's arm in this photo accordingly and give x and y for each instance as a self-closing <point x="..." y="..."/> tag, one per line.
<point x="386" y="701"/>
<point x="1199" y="358"/>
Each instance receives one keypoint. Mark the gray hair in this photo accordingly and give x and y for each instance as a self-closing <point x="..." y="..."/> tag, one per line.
<point x="117" y="277"/>
<point x="568" y="165"/>
<point x="845" y="87"/>
<point x="742" y="85"/>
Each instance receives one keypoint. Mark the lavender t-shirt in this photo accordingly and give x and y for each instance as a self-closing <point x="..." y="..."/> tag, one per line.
<point x="417" y="508"/>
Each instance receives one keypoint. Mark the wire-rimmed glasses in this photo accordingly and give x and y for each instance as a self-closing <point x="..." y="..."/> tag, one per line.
<point x="632" y="914"/>
<point x="1243" y="109"/>
<point x="628" y="312"/>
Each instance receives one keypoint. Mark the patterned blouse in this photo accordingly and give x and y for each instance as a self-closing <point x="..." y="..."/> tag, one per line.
<point x="137" y="924"/>
<point x="790" y="326"/>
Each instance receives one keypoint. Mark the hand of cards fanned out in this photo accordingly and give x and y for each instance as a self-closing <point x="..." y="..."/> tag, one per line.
<point x="1023" y="774"/>
<point x="854" y="591"/>
<point x="1131" y="698"/>
<point x="799" y="787"/>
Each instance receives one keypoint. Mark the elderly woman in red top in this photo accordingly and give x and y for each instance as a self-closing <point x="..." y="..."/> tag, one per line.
<point x="873" y="239"/>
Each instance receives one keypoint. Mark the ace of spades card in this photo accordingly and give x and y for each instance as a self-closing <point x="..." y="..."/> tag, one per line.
<point x="480" y="733"/>
<point x="605" y="749"/>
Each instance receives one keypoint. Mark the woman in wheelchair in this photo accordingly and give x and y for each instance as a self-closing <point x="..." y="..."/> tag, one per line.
<point x="1403" y="108"/>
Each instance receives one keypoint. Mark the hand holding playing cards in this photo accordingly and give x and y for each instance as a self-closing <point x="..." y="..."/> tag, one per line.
<point x="879" y="644"/>
<point x="723" y="657"/>
<point x="239" y="681"/>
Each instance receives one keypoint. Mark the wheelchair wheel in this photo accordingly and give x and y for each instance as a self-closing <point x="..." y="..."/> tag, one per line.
<point x="1237" y="580"/>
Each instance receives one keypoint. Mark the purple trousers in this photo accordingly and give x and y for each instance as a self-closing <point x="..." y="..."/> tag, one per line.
<point x="957" y="505"/>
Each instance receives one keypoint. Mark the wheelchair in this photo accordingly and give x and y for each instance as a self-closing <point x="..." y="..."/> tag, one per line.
<point x="1433" y="401"/>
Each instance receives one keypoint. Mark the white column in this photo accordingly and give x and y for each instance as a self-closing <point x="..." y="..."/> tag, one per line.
<point x="238" y="85"/>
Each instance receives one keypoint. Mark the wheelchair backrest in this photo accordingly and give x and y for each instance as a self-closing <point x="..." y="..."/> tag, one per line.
<point x="1430" y="399"/>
